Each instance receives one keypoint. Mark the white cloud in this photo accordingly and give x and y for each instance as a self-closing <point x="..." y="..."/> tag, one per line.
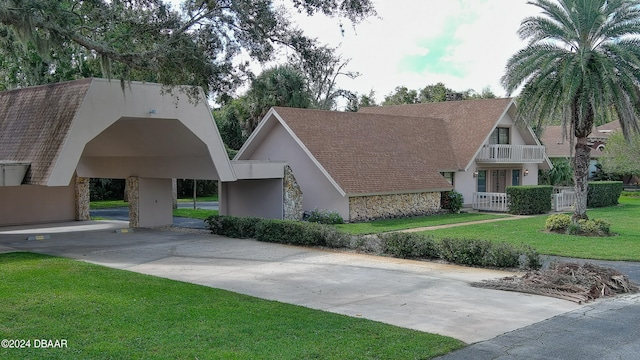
<point x="480" y="36"/>
<point x="485" y="36"/>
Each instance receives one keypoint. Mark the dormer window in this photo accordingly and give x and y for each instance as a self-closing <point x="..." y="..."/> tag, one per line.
<point x="500" y="135"/>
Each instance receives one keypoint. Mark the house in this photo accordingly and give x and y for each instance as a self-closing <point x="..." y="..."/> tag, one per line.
<point x="397" y="160"/>
<point x="491" y="151"/>
<point x="53" y="138"/>
<point x="560" y="147"/>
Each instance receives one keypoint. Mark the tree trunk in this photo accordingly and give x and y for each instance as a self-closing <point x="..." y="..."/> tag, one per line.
<point x="581" y="160"/>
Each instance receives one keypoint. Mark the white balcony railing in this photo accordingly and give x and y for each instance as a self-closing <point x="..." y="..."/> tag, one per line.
<point x="485" y="201"/>
<point x="511" y="154"/>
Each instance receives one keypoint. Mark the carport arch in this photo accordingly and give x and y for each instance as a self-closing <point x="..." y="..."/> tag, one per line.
<point x="71" y="131"/>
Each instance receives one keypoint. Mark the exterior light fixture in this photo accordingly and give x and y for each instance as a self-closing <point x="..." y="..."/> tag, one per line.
<point x="526" y="172"/>
<point x="475" y="173"/>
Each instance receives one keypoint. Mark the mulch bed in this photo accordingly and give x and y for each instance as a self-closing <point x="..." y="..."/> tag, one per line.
<point x="568" y="281"/>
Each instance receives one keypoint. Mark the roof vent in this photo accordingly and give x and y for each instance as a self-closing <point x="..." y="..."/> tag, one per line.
<point x="12" y="172"/>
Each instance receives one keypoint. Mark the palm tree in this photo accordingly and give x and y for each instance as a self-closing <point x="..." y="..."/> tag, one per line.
<point x="582" y="63"/>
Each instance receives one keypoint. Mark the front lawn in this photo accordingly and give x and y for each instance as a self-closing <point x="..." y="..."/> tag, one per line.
<point x="623" y="218"/>
<point x="194" y="214"/>
<point x="380" y="226"/>
<point x="104" y="313"/>
<point x="107" y="204"/>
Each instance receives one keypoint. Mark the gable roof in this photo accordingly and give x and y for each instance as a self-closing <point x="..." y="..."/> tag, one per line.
<point x="366" y="154"/>
<point x="95" y="128"/>
<point x="469" y="122"/>
<point x="557" y="147"/>
<point x="34" y="123"/>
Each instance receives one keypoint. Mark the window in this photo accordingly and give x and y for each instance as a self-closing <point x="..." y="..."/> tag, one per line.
<point x="448" y="176"/>
<point x="500" y="136"/>
<point x="482" y="180"/>
<point x="515" y="177"/>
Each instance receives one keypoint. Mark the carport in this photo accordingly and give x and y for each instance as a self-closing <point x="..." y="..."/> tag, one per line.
<point x="69" y="132"/>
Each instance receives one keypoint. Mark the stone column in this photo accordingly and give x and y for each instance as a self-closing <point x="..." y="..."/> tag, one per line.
<point x="174" y="192"/>
<point x="292" y="201"/>
<point x="82" y="199"/>
<point x="133" y="189"/>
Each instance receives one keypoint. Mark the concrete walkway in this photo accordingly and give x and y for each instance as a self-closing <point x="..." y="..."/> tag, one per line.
<point x="425" y="296"/>
<point x="436" y="227"/>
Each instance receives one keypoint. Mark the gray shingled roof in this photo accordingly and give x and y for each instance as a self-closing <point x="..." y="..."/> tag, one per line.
<point x="375" y="154"/>
<point x="468" y="122"/>
<point x="34" y="122"/>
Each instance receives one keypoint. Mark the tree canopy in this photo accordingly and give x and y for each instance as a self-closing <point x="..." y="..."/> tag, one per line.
<point x="622" y="157"/>
<point x="200" y="44"/>
<point x="581" y="64"/>
<point x="433" y="93"/>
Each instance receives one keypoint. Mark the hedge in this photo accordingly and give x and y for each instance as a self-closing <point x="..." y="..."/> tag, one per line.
<point x="396" y="244"/>
<point x="529" y="200"/>
<point x="604" y="193"/>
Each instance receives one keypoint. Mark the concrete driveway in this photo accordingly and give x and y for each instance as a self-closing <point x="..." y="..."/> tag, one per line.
<point x="424" y="296"/>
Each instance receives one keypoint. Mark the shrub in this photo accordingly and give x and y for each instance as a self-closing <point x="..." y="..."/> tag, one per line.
<point x="597" y="227"/>
<point x="475" y="252"/>
<point x="563" y="223"/>
<point x="529" y="200"/>
<point x="530" y="259"/>
<point x="409" y="245"/>
<point x="558" y="222"/>
<point x="301" y="233"/>
<point x="231" y="226"/>
<point x="324" y="217"/>
<point x="454" y="201"/>
<point x="463" y="251"/>
<point x="604" y="193"/>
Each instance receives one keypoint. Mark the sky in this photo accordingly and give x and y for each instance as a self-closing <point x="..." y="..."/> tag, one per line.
<point x="464" y="44"/>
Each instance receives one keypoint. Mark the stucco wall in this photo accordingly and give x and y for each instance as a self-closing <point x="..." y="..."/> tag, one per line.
<point x="363" y="208"/>
<point x="29" y="204"/>
<point x="260" y="198"/>
<point x="319" y="192"/>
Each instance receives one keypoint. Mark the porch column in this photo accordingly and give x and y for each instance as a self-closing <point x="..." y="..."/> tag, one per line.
<point x="82" y="199"/>
<point x="133" y="189"/>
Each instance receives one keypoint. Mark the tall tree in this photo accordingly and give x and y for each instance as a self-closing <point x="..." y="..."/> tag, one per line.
<point x="401" y="95"/>
<point x="197" y="45"/>
<point x="361" y="101"/>
<point x="278" y="86"/>
<point x="321" y="67"/>
<point x="622" y="157"/>
<point x="434" y="93"/>
<point x="582" y="61"/>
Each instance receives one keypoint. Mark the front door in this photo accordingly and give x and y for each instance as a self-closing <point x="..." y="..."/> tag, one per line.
<point x="499" y="181"/>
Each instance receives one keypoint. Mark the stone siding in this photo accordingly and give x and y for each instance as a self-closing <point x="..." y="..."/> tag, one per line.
<point x="82" y="199"/>
<point x="292" y="196"/>
<point x="365" y="208"/>
<point x="133" y="189"/>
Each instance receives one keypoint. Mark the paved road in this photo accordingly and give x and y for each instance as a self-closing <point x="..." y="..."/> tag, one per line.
<point x="122" y="214"/>
<point x="604" y="329"/>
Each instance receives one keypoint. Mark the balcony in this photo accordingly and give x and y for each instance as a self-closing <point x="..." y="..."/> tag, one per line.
<point x="511" y="154"/>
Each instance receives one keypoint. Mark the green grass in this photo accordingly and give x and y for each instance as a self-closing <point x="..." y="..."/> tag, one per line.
<point x="624" y="220"/>
<point x="107" y="204"/>
<point x="194" y="214"/>
<point x="204" y="198"/>
<point x="105" y="313"/>
<point x="380" y="226"/>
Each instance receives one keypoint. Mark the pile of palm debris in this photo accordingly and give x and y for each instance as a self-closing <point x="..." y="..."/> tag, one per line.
<point x="569" y="281"/>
